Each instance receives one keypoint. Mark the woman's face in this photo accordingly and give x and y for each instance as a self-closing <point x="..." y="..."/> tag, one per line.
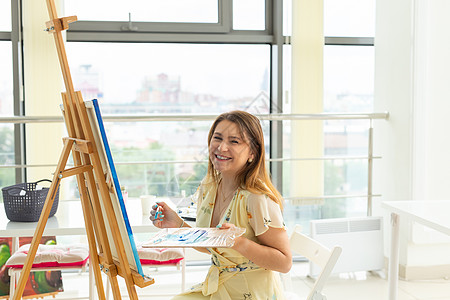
<point x="228" y="150"/>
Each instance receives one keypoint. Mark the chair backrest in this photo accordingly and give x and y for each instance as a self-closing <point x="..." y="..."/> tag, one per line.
<point x="316" y="253"/>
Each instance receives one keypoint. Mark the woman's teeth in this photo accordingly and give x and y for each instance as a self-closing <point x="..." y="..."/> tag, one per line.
<point x="222" y="157"/>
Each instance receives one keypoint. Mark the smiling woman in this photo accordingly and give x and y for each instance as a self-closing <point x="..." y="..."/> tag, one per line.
<point x="237" y="192"/>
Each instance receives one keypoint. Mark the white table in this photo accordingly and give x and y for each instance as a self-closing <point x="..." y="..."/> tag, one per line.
<point x="69" y="220"/>
<point x="433" y="214"/>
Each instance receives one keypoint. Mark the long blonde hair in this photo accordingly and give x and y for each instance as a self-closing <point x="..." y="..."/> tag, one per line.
<point x="254" y="176"/>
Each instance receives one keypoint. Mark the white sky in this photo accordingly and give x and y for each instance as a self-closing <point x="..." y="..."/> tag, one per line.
<point x="222" y="70"/>
<point x="5" y="15"/>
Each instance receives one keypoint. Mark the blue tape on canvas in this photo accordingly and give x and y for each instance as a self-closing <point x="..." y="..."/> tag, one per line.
<point x="117" y="186"/>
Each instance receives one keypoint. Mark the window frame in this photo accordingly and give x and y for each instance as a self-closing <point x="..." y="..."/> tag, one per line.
<point x="222" y="26"/>
<point x="172" y="32"/>
<point x="5" y="36"/>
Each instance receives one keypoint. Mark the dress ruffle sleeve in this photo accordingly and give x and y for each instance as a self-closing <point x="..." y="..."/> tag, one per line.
<point x="263" y="213"/>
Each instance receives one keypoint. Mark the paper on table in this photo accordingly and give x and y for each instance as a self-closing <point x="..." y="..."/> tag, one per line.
<point x="194" y="237"/>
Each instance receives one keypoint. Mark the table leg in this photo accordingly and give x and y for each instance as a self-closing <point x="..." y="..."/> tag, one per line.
<point x="14" y="244"/>
<point x="394" y="257"/>
<point x="13" y="276"/>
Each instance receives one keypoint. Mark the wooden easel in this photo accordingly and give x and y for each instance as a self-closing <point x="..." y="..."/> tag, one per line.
<point x="91" y="183"/>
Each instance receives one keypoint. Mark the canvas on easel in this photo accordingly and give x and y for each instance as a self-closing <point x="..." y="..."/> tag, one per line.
<point x="106" y="158"/>
<point x="112" y="180"/>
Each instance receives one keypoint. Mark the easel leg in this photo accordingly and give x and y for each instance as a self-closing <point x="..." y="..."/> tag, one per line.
<point x="42" y="220"/>
<point x="114" y="287"/>
<point x="102" y="238"/>
<point x="107" y="287"/>
<point x="87" y="213"/>
<point x="12" y="281"/>
<point x="114" y="227"/>
<point x="394" y="257"/>
<point x="91" y="281"/>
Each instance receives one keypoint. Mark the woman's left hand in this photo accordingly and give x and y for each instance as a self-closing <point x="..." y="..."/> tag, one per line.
<point x="236" y="240"/>
<point x="272" y="252"/>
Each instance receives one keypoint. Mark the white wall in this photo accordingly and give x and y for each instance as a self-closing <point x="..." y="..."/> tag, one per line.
<point x="436" y="85"/>
<point x="412" y="83"/>
<point x="43" y="86"/>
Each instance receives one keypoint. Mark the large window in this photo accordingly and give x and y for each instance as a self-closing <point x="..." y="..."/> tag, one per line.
<point x="153" y="58"/>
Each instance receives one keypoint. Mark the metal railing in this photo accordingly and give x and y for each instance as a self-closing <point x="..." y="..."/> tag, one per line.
<point x="201" y="117"/>
<point x="208" y="117"/>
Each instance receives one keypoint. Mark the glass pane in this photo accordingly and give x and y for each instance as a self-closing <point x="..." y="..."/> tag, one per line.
<point x="172" y="78"/>
<point x="345" y="177"/>
<point x="341" y="177"/>
<point x="348" y="78"/>
<point x="144" y="154"/>
<point x="5" y="15"/>
<point x="346" y="137"/>
<point x="6" y="80"/>
<point x="198" y="11"/>
<point x="249" y="15"/>
<point x="168" y="78"/>
<point x="7" y="174"/>
<point x="349" y="18"/>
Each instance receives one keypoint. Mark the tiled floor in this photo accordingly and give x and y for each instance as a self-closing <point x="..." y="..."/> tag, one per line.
<point x="349" y="286"/>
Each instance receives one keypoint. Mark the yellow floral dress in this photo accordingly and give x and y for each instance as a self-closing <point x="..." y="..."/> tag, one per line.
<point x="231" y="275"/>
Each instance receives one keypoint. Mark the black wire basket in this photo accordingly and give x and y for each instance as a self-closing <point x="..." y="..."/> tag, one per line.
<point x="24" y="203"/>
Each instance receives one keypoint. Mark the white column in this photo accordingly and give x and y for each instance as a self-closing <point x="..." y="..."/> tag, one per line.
<point x="43" y="86"/>
<point x="307" y="96"/>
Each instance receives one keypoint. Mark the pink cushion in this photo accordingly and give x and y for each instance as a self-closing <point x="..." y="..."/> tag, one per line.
<point x="51" y="256"/>
<point x="159" y="256"/>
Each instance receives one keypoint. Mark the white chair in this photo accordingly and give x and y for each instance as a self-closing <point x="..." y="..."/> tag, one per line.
<point x="316" y="253"/>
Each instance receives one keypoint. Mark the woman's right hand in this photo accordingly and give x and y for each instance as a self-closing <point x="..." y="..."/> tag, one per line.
<point x="163" y="216"/>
